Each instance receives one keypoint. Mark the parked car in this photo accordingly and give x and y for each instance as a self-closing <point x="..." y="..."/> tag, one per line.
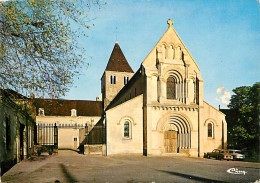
<point x="237" y="154"/>
<point x="219" y="154"/>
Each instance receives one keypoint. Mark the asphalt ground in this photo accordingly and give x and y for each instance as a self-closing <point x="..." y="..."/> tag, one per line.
<point x="69" y="166"/>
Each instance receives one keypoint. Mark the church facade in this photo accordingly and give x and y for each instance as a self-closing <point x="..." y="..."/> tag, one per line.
<point x="160" y="108"/>
<point x="157" y="110"/>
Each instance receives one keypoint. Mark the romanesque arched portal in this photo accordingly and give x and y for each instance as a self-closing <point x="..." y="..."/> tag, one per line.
<point x="177" y="130"/>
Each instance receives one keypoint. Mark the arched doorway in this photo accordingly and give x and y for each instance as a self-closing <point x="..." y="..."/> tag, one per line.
<point x="176" y="131"/>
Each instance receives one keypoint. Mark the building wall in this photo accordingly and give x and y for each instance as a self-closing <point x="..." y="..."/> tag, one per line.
<point x="16" y="135"/>
<point x="160" y="117"/>
<point x="109" y="91"/>
<point x="132" y="112"/>
<point x="66" y="138"/>
<point x="217" y="118"/>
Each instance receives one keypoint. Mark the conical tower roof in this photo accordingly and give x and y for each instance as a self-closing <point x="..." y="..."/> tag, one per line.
<point x="117" y="61"/>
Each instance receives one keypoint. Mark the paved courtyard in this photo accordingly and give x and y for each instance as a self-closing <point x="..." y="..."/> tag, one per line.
<point x="69" y="166"/>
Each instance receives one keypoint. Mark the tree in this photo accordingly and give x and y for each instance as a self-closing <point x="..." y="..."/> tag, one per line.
<point x="243" y="123"/>
<point x="39" y="51"/>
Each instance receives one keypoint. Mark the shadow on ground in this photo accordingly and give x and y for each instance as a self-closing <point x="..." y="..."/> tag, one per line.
<point x="68" y="176"/>
<point x="190" y="177"/>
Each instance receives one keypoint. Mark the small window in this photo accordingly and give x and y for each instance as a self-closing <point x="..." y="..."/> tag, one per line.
<point x="73" y="112"/>
<point x="126" y="130"/>
<point x="112" y="79"/>
<point x="75" y="139"/>
<point x="126" y="79"/>
<point x="210" y="130"/>
<point x="41" y="111"/>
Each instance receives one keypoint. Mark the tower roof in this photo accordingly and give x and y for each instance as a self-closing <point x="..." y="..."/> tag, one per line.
<point x="117" y="61"/>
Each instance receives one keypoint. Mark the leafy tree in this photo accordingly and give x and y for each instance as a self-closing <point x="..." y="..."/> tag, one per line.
<point x="39" y="51"/>
<point x="243" y="123"/>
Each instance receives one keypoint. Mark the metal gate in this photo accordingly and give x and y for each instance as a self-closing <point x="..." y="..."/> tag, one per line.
<point x="47" y="134"/>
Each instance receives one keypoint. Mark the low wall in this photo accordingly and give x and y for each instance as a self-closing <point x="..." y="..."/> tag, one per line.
<point x="99" y="149"/>
<point x="189" y="152"/>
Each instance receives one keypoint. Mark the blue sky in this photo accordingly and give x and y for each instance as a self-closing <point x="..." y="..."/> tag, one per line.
<point x="223" y="36"/>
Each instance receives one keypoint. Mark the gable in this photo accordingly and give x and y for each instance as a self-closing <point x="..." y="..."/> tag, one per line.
<point x="170" y="39"/>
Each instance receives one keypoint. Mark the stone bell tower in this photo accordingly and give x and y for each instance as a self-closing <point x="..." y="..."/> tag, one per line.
<point x="117" y="74"/>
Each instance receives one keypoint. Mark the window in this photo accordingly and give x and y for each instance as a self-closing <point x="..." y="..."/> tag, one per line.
<point x="210" y="130"/>
<point x="126" y="79"/>
<point x="126" y="130"/>
<point x="75" y="139"/>
<point x="171" y="88"/>
<point x="41" y="111"/>
<point x="112" y="79"/>
<point x="73" y="112"/>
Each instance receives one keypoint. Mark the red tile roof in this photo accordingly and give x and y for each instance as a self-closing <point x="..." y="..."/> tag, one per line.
<point x="117" y="61"/>
<point x="58" y="107"/>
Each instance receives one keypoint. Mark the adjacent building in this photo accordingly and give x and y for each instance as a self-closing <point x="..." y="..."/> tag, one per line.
<point x="74" y="119"/>
<point x="16" y="129"/>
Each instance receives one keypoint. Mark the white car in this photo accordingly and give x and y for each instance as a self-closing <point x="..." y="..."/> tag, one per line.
<point x="237" y="154"/>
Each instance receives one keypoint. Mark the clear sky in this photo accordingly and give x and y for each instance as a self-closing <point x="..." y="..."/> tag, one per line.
<point x="223" y="36"/>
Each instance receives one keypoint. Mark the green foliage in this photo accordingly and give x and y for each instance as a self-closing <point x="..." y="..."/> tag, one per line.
<point x="39" y="51"/>
<point x="243" y="123"/>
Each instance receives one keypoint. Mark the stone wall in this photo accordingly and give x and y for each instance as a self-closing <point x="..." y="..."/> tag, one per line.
<point x="99" y="149"/>
<point x="16" y="134"/>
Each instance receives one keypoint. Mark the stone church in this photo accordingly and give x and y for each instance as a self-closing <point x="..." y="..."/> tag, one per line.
<point x="159" y="109"/>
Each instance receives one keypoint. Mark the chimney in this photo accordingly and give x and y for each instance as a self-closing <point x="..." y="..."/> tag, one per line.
<point x="32" y="96"/>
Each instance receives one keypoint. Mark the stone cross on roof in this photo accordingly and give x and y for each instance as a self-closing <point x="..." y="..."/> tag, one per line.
<point x="170" y="22"/>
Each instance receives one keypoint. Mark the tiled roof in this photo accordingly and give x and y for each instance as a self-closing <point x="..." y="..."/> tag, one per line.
<point x="58" y="107"/>
<point x="117" y="61"/>
<point x="11" y="94"/>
